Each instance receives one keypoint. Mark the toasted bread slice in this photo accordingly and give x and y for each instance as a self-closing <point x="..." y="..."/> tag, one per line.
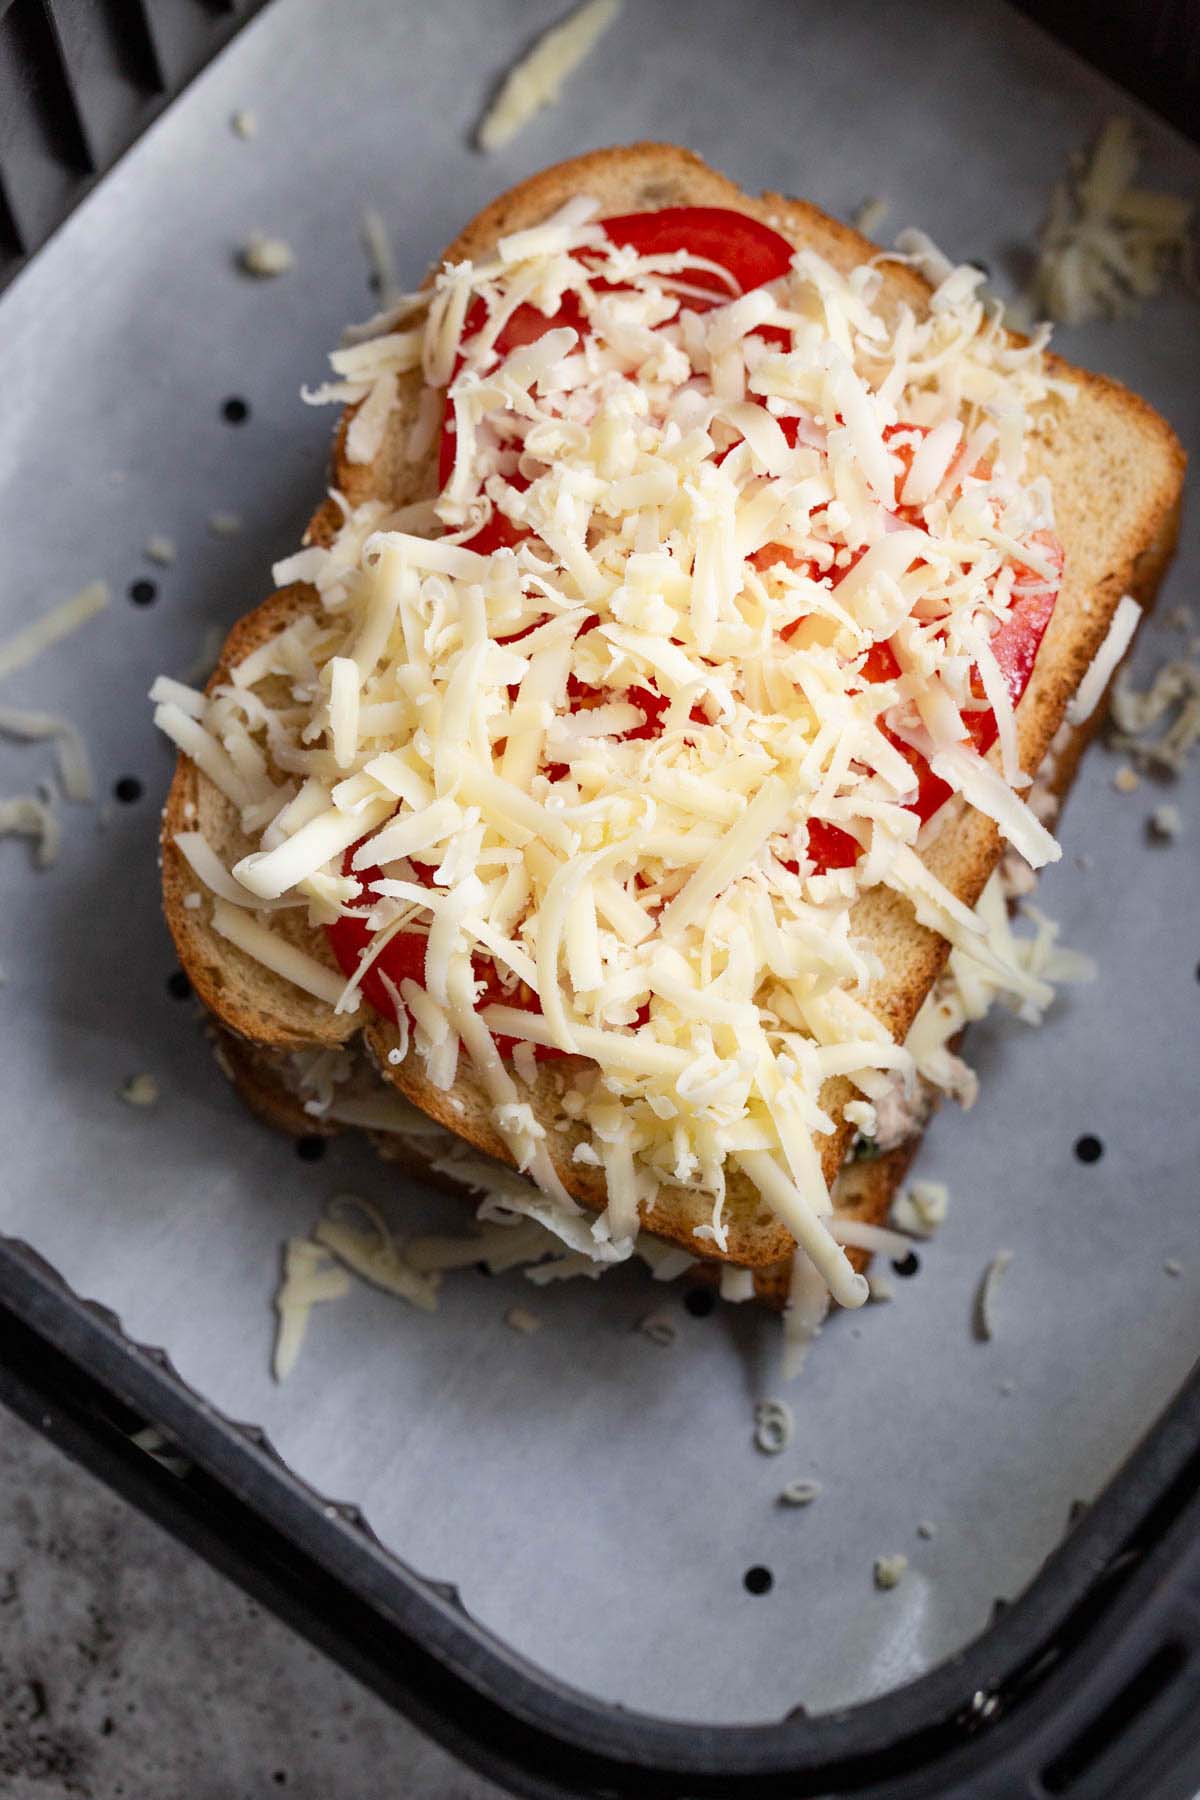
<point x="865" y="1188"/>
<point x="1116" y="470"/>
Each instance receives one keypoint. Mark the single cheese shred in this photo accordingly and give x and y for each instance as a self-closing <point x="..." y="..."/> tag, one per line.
<point x="310" y="1275"/>
<point x="52" y="627"/>
<point x="537" y="80"/>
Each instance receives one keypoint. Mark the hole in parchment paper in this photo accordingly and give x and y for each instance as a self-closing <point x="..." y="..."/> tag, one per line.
<point x="700" y="1301"/>
<point x="235" y="410"/>
<point x="908" y="1265"/>
<point x="143" y="592"/>
<point x="127" y="789"/>
<point x="178" y="985"/>
<point x="758" y="1580"/>
<point x="310" y="1149"/>
<point x="1089" y="1149"/>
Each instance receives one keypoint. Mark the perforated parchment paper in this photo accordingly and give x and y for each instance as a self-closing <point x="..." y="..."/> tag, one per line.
<point x="596" y="1497"/>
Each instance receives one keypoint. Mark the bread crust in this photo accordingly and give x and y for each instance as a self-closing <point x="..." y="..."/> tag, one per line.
<point x="1117" y="471"/>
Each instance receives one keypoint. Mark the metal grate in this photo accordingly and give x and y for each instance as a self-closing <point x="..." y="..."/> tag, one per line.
<point x="80" y="80"/>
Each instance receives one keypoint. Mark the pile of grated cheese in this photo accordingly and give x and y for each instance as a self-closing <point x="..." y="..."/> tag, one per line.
<point x="1107" y="244"/>
<point x="655" y="894"/>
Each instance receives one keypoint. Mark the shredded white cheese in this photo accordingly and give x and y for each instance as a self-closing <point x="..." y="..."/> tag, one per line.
<point x="592" y="761"/>
<point x="28" y="815"/>
<point x="1107" y="244"/>
<point x="984" y="1301"/>
<point x="1166" y="821"/>
<point x="774" y="1426"/>
<point x="921" y="1207"/>
<point x="310" y="1275"/>
<point x="55" y="625"/>
<point x="1100" y="671"/>
<point x="537" y="80"/>
<point x="74" y="765"/>
<point x="140" y="1090"/>
<point x="371" y="1251"/>
<point x="160" y="549"/>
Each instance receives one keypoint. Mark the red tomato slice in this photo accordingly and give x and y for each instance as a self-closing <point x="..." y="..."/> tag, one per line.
<point x="751" y="251"/>
<point x="403" y="959"/>
<point x="830" y="847"/>
<point x="1014" y="644"/>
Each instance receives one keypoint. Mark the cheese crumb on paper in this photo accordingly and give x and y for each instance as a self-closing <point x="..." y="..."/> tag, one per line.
<point x="140" y="1090"/>
<point x="774" y="1426"/>
<point x="890" y="1571"/>
<point x="519" y="1318"/>
<point x="868" y="217"/>
<point x="801" y="1492"/>
<point x="74" y="765"/>
<point x="266" y="256"/>
<point x="660" y="1328"/>
<point x="160" y="549"/>
<point x="1166" y="822"/>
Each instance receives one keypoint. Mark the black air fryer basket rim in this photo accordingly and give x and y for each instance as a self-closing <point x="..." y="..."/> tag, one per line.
<point x="1123" y="1586"/>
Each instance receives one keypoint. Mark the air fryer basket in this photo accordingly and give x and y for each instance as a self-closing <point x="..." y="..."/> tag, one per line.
<point x="594" y="1498"/>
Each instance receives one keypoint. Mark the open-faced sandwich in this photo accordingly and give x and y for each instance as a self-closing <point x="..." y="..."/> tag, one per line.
<point x="698" y="594"/>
